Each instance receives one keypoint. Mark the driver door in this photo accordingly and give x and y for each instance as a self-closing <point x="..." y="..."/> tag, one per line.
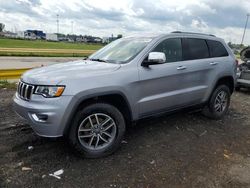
<point x="165" y="86"/>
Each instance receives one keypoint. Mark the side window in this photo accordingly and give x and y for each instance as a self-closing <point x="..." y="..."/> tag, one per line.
<point x="216" y="49"/>
<point x="194" y="49"/>
<point x="172" y="49"/>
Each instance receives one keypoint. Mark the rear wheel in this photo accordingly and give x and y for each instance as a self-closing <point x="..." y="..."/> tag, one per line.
<point x="97" y="130"/>
<point x="219" y="103"/>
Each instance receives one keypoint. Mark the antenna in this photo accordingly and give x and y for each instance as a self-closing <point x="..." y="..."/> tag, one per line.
<point x="72" y="27"/>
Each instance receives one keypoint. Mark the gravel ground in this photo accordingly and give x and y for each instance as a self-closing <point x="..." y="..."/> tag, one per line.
<point x="181" y="150"/>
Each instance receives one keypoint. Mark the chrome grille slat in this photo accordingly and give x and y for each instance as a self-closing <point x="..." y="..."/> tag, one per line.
<point x="25" y="91"/>
<point x="32" y="90"/>
<point x="22" y="90"/>
<point x="19" y="91"/>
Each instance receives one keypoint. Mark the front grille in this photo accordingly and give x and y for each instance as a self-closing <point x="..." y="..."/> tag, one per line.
<point x="25" y="90"/>
<point x="245" y="75"/>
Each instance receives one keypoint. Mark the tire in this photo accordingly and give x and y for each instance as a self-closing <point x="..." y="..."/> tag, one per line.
<point x="215" y="109"/>
<point x="237" y="88"/>
<point x="89" y="126"/>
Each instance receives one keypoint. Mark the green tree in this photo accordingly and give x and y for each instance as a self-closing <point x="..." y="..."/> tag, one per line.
<point x="1" y="27"/>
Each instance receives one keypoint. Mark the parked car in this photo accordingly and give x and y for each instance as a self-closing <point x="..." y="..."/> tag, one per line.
<point x="243" y="80"/>
<point x="92" y="101"/>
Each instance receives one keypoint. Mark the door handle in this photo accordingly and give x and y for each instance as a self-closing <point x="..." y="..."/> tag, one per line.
<point x="213" y="63"/>
<point x="181" y="67"/>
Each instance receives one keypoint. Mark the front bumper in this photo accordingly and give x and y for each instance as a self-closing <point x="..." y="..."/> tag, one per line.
<point x="243" y="83"/>
<point x="54" y="109"/>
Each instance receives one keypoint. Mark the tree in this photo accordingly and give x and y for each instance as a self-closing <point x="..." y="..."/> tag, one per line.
<point x="2" y="27"/>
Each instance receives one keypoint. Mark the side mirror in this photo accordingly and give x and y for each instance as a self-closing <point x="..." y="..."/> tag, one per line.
<point x="154" y="58"/>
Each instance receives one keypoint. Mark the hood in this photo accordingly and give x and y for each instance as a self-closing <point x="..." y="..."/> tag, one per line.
<point x="54" y="74"/>
<point x="245" y="54"/>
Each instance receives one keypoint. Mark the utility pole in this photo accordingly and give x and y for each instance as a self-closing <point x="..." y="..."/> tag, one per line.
<point x="57" y="22"/>
<point x="72" y="31"/>
<point x="245" y="29"/>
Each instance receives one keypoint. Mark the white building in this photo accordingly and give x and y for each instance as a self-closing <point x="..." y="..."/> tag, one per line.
<point x="20" y="34"/>
<point x="51" y="37"/>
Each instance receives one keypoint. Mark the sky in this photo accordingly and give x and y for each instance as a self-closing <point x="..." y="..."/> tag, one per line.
<point x="223" y="18"/>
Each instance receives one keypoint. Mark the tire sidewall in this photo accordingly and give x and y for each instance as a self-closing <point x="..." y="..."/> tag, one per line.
<point x="110" y="110"/>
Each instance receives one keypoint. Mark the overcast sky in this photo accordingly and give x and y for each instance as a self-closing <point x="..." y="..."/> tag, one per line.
<point x="224" y="18"/>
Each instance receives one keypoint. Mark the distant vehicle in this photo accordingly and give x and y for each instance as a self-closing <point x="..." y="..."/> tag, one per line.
<point x="243" y="80"/>
<point x="92" y="101"/>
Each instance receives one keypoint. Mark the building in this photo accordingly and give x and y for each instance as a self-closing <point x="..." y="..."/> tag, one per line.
<point x="9" y="34"/>
<point x="20" y="34"/>
<point x="88" y="39"/>
<point x="107" y="40"/>
<point x="51" y="37"/>
<point x="34" y="34"/>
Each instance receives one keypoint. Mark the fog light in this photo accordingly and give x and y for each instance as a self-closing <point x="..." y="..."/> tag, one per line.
<point x="40" y="117"/>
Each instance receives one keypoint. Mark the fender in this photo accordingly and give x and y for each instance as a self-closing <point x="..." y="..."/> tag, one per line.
<point x="80" y="98"/>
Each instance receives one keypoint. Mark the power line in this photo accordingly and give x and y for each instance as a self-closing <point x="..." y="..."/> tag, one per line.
<point x="245" y="29"/>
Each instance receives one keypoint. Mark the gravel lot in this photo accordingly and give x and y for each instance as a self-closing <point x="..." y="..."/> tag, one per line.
<point x="181" y="150"/>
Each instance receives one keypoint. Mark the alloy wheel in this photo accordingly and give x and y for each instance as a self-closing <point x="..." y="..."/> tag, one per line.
<point x="97" y="131"/>
<point x="221" y="102"/>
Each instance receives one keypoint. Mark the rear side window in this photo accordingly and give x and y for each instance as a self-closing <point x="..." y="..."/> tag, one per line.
<point x="216" y="49"/>
<point x="194" y="49"/>
<point x="172" y="49"/>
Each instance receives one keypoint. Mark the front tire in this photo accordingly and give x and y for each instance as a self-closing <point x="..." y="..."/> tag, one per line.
<point x="218" y="103"/>
<point x="97" y="130"/>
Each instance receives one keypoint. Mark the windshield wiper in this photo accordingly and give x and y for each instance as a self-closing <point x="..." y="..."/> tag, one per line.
<point x="99" y="60"/>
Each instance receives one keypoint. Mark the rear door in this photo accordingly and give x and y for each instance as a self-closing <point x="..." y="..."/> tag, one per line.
<point x="201" y="68"/>
<point x="220" y="61"/>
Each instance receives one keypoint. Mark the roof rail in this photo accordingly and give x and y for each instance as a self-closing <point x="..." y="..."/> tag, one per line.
<point x="193" y="33"/>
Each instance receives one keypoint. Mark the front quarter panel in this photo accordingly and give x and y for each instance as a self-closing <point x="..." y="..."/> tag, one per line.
<point x="122" y="81"/>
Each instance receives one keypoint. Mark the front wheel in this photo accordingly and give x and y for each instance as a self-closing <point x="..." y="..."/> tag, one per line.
<point x="97" y="130"/>
<point x="219" y="103"/>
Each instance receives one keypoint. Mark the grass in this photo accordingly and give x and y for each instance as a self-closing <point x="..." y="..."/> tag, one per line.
<point x="43" y="54"/>
<point x="7" y="85"/>
<point x="237" y="56"/>
<point x="41" y="44"/>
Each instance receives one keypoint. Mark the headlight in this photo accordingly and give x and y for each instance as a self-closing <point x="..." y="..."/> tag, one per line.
<point x="49" y="91"/>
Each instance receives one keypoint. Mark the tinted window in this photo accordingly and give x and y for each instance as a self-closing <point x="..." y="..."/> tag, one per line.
<point x="216" y="49"/>
<point x="194" y="49"/>
<point x="172" y="49"/>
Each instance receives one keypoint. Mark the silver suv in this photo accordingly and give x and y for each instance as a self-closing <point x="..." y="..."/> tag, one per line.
<point x="92" y="101"/>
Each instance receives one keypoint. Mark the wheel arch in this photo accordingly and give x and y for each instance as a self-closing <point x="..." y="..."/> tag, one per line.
<point x="226" y="80"/>
<point x="115" y="98"/>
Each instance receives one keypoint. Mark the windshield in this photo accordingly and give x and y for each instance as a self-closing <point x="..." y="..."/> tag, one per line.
<point x="121" y="50"/>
